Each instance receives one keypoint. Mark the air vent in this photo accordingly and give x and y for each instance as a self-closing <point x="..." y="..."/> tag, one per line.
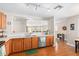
<point x="58" y="7"/>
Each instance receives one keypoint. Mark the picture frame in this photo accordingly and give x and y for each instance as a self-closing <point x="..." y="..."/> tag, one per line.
<point x="72" y="26"/>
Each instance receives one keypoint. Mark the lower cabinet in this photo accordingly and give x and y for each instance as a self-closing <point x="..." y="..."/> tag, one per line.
<point x="8" y="47"/>
<point x="17" y="44"/>
<point x="34" y="42"/>
<point x="21" y="44"/>
<point x="52" y="40"/>
<point x="27" y="43"/>
<point x="49" y="40"/>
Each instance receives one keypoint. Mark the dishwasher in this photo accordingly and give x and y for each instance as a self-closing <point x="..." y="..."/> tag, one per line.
<point x="42" y="41"/>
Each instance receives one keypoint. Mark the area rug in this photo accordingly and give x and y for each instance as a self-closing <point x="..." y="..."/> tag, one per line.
<point x="33" y="51"/>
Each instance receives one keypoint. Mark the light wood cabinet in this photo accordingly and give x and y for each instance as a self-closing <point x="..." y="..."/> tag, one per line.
<point x="49" y="40"/>
<point x="52" y="40"/>
<point x="8" y="47"/>
<point x="34" y="42"/>
<point x="27" y="43"/>
<point x="2" y="20"/>
<point x="17" y="44"/>
<point x="21" y="44"/>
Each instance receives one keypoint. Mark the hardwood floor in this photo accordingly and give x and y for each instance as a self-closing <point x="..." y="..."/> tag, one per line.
<point x="61" y="49"/>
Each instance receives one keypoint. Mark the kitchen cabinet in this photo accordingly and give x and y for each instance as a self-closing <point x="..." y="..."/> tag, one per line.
<point x="2" y="23"/>
<point x="21" y="44"/>
<point x="8" y="47"/>
<point x="17" y="44"/>
<point x="49" y="40"/>
<point x="34" y="42"/>
<point x="27" y="43"/>
<point x="2" y="20"/>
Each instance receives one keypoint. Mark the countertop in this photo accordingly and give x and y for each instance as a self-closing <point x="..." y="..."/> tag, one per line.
<point x="10" y="37"/>
<point x="2" y="39"/>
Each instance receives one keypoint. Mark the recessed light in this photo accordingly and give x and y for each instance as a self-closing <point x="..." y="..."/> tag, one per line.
<point x="49" y="10"/>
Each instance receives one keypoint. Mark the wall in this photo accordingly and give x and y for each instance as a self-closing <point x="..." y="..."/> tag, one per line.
<point x="70" y="35"/>
<point x="9" y="21"/>
<point x="10" y="18"/>
<point x="10" y="27"/>
<point x="50" y="25"/>
<point x="19" y="25"/>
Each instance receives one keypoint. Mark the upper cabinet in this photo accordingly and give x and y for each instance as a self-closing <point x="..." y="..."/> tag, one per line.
<point x="2" y="20"/>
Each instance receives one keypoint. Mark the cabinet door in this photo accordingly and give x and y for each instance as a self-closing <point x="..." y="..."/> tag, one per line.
<point x="17" y="44"/>
<point x="34" y="42"/>
<point x="49" y="40"/>
<point x="3" y="21"/>
<point x="8" y="47"/>
<point x="27" y="43"/>
<point x="0" y="20"/>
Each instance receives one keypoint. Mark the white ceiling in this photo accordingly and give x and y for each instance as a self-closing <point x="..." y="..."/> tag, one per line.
<point x="41" y="9"/>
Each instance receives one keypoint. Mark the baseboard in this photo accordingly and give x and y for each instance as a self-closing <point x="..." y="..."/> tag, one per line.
<point x="70" y="44"/>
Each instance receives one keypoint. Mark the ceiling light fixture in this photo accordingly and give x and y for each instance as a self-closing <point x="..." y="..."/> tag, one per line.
<point x="36" y="6"/>
<point x="49" y="10"/>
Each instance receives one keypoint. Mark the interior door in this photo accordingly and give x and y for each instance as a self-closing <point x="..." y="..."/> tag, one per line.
<point x="27" y="43"/>
<point x="35" y="42"/>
